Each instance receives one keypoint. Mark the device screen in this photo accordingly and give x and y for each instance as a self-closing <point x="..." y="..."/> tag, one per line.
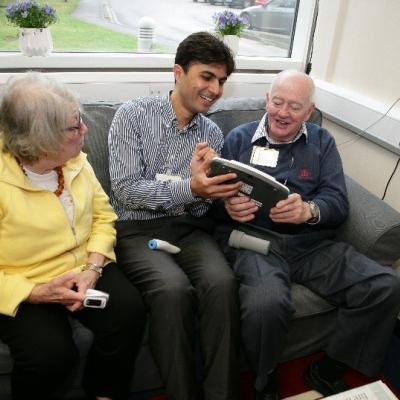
<point x="93" y="302"/>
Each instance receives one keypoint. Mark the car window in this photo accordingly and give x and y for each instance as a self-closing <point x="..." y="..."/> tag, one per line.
<point x="283" y="3"/>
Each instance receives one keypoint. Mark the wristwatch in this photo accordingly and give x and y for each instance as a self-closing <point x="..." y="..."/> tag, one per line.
<point x="314" y="209"/>
<point x="93" y="267"/>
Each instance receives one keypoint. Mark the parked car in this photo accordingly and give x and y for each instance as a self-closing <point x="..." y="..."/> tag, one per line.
<point x="235" y="3"/>
<point x="244" y="3"/>
<point x="240" y="3"/>
<point x="276" y="16"/>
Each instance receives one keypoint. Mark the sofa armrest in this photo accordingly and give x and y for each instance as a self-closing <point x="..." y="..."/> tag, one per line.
<point x="373" y="227"/>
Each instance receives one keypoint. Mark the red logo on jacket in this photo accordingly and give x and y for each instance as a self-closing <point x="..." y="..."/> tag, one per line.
<point x="305" y="173"/>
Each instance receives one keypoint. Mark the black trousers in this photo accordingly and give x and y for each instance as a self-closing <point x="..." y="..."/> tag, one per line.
<point x="197" y="282"/>
<point x="41" y="344"/>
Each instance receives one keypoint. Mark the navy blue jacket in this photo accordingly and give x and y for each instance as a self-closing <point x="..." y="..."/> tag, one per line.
<point x="311" y="166"/>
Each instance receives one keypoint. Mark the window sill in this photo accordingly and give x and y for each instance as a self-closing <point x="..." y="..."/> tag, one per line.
<point x="15" y="62"/>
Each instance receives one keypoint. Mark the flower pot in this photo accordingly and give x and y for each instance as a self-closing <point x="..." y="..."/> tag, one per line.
<point x="35" y="41"/>
<point x="232" y="41"/>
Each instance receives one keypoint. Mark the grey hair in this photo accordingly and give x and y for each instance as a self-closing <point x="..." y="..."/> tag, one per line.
<point x="34" y="113"/>
<point x="293" y="73"/>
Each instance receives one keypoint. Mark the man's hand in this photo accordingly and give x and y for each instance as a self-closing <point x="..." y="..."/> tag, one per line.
<point x="58" y="290"/>
<point x="203" y="186"/>
<point x="293" y="210"/>
<point x="241" y="208"/>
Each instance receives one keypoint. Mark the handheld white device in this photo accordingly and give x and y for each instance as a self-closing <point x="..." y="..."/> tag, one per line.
<point x="263" y="189"/>
<point x="157" y="244"/>
<point x="95" y="298"/>
<point x="241" y="240"/>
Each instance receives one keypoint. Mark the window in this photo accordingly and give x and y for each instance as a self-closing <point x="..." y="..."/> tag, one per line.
<point x="279" y="31"/>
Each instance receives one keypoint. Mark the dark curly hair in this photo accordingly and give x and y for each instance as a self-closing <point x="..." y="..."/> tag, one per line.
<point x="205" y="48"/>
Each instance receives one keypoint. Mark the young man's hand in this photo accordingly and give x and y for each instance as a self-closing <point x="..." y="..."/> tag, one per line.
<point x="203" y="186"/>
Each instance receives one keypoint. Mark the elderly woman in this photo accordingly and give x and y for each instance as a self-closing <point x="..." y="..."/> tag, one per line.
<point x="56" y="239"/>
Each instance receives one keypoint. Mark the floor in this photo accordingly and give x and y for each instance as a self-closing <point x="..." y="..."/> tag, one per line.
<point x="291" y="385"/>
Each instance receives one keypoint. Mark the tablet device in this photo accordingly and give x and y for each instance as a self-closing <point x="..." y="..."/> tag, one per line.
<point x="261" y="187"/>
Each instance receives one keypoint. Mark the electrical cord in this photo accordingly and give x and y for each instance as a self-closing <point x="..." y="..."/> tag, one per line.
<point x="390" y="178"/>
<point x="360" y="135"/>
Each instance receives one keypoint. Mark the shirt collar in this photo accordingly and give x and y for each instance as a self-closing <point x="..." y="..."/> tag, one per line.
<point x="170" y="116"/>
<point x="261" y="132"/>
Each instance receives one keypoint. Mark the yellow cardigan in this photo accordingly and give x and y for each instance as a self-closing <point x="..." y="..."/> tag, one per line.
<point x="36" y="241"/>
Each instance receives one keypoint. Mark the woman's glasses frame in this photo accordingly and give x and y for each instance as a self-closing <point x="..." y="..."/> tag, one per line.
<point x="75" y="128"/>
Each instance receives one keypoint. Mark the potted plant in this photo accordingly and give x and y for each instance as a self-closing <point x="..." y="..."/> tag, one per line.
<point x="33" y="20"/>
<point x="230" y="26"/>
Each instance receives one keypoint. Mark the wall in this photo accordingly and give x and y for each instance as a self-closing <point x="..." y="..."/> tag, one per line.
<point x="357" y="49"/>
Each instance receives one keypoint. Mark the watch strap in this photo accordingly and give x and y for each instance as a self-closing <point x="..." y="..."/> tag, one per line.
<point x="315" y="213"/>
<point x="93" y="267"/>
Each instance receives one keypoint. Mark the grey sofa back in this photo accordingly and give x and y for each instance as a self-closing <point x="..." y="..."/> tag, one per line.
<point x="372" y="227"/>
<point x="226" y="113"/>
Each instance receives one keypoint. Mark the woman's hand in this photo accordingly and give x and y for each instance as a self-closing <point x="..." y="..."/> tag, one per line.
<point x="83" y="281"/>
<point x="58" y="290"/>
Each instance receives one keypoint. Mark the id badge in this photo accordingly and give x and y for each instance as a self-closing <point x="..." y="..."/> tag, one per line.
<point x="166" y="177"/>
<point x="264" y="156"/>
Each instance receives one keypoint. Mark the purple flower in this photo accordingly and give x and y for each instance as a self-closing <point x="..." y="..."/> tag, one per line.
<point x="29" y="14"/>
<point x="48" y="9"/>
<point x="10" y="9"/>
<point x="229" y="23"/>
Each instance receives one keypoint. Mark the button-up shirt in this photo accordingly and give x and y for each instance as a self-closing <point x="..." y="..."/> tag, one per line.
<point x="146" y="148"/>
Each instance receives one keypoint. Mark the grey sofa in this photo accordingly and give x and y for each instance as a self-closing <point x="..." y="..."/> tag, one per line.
<point x="372" y="227"/>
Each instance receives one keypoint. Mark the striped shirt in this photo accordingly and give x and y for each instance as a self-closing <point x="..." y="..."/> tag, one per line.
<point x="144" y="141"/>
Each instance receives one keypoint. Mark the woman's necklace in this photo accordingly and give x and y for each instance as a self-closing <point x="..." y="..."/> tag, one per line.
<point x="60" y="178"/>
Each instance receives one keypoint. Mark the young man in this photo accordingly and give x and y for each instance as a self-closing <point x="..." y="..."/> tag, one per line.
<point x="305" y="157"/>
<point x="159" y="150"/>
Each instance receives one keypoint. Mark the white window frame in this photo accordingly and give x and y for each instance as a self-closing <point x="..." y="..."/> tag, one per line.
<point x="14" y="61"/>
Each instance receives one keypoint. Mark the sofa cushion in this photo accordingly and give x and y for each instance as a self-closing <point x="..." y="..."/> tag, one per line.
<point x="98" y="118"/>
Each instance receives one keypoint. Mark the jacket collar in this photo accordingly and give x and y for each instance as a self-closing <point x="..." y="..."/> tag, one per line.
<point x="11" y="173"/>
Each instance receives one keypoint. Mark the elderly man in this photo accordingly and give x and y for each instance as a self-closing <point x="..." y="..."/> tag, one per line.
<point x="305" y="158"/>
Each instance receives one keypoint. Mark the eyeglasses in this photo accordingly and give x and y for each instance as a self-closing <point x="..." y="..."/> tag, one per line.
<point x="77" y="127"/>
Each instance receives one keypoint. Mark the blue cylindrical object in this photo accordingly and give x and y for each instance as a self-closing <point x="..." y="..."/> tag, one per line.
<point x="157" y="244"/>
<point x="152" y="244"/>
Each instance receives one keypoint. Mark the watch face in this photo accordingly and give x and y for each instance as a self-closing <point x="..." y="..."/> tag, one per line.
<point x="314" y="210"/>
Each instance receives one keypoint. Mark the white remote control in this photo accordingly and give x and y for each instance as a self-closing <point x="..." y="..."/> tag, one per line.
<point x="95" y="298"/>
